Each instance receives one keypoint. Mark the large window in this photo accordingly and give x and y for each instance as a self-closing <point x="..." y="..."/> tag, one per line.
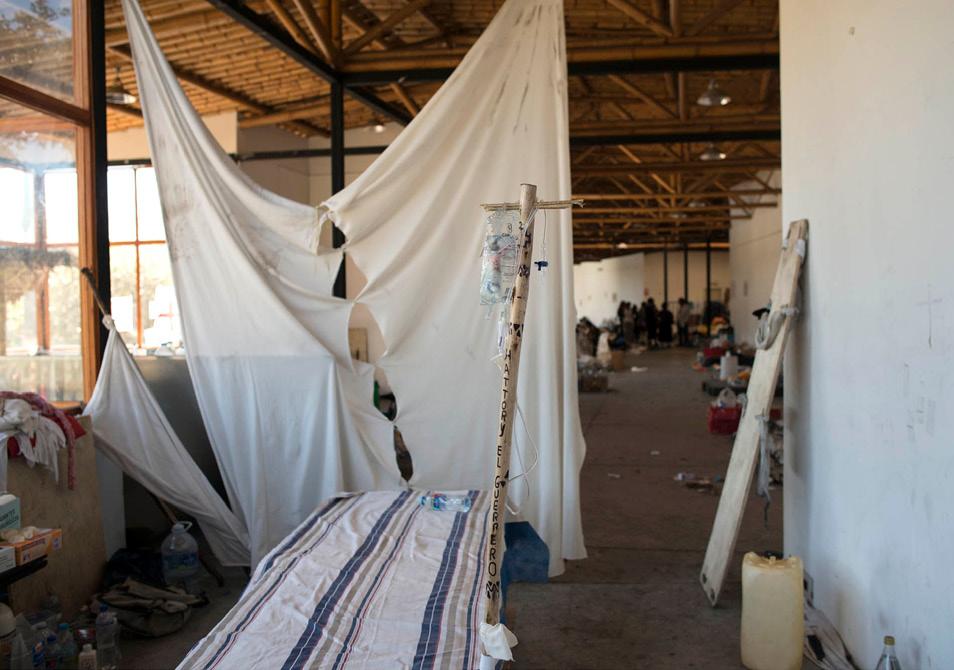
<point x="47" y="180"/>
<point x="143" y="299"/>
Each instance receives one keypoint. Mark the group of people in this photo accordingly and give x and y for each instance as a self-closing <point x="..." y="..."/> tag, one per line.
<point x="656" y="323"/>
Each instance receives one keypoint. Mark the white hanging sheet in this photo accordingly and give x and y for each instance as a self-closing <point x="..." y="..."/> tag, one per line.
<point x="414" y="227"/>
<point x="290" y="419"/>
<point x="131" y="430"/>
<point x="288" y="414"/>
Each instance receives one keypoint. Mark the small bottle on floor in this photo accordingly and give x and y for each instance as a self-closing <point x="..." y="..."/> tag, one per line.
<point x="888" y="661"/>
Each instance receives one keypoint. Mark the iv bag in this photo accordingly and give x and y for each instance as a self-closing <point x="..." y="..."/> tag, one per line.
<point x="498" y="267"/>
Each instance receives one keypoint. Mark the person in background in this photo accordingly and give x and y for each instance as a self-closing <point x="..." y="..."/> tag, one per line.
<point x="665" y="326"/>
<point x="652" y="323"/>
<point x="682" y="321"/>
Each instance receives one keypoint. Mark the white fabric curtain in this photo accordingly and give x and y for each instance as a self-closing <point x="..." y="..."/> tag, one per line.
<point x="289" y="415"/>
<point x="289" y="418"/>
<point x="414" y="226"/>
<point x="131" y="430"/>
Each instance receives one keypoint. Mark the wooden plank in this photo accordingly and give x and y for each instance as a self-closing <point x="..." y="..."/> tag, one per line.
<point x="761" y="390"/>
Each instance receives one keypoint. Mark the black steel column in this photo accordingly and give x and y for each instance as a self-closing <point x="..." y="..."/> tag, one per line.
<point x="685" y="271"/>
<point x="666" y="274"/>
<point x="337" y="171"/>
<point x="97" y="91"/>
<point x="708" y="286"/>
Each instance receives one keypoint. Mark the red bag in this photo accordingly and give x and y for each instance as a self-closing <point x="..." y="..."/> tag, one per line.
<point x="724" y="420"/>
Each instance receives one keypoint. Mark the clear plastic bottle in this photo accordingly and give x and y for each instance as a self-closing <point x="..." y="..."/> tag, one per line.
<point x="21" y="656"/>
<point x="107" y="640"/>
<point x="40" y="633"/>
<point x="888" y="660"/>
<point x="68" y="649"/>
<point x="445" y="503"/>
<point x="52" y="605"/>
<point x="180" y="555"/>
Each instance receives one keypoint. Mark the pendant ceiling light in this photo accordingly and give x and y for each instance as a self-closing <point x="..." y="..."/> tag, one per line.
<point x="712" y="153"/>
<point x="713" y="96"/>
<point x="117" y="94"/>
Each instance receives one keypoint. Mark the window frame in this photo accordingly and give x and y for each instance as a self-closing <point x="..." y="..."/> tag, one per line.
<point x="87" y="113"/>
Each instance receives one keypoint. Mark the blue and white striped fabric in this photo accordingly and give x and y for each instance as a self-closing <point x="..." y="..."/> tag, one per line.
<point x="369" y="580"/>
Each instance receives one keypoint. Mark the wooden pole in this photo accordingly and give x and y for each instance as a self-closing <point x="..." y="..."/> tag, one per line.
<point x="493" y="556"/>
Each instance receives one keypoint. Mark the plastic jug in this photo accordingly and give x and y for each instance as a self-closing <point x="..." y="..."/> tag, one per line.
<point x="728" y="367"/>
<point x="180" y="555"/>
<point x="773" y="613"/>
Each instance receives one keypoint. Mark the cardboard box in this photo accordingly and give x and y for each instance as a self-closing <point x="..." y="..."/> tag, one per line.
<point x="9" y="511"/>
<point x="8" y="558"/>
<point x="45" y="541"/>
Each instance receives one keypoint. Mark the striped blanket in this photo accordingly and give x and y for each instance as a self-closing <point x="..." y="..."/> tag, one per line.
<point x="370" y="580"/>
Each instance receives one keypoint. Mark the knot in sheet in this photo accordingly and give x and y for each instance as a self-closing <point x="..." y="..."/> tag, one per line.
<point x="288" y="413"/>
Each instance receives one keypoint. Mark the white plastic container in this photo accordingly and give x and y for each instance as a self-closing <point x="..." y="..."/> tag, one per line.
<point x="180" y="555"/>
<point x="773" y="613"/>
<point x="728" y="367"/>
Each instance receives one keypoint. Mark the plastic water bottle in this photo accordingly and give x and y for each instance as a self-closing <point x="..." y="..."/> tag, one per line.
<point x="180" y="555"/>
<point x="21" y="657"/>
<point x="445" y="503"/>
<point x="107" y="640"/>
<point x="40" y="633"/>
<point x="68" y="649"/>
<point x="888" y="660"/>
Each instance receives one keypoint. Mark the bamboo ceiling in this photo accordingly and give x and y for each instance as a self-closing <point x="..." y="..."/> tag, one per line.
<point x="654" y="194"/>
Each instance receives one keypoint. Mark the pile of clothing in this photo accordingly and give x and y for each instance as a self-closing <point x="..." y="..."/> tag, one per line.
<point x="36" y="430"/>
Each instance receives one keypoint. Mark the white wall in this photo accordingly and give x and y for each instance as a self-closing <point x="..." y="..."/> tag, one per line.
<point x="755" y="247"/>
<point x="599" y="286"/>
<point x="132" y="142"/>
<point x="867" y="109"/>
<point x="720" y="277"/>
<point x="288" y="177"/>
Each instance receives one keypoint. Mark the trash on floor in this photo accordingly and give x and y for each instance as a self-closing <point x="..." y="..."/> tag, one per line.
<point x="614" y="475"/>
<point x="654" y="452"/>
<point x="823" y="645"/>
<point x="636" y="368"/>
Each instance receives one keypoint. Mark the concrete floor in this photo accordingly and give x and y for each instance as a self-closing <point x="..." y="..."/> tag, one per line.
<point x="636" y="601"/>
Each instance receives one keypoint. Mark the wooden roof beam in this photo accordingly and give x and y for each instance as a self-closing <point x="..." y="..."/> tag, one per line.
<point x="405" y="98"/>
<point x="319" y="31"/>
<point x="219" y="90"/>
<point x="728" y="165"/>
<point x="376" y="67"/>
<point x="285" y="18"/>
<point x="385" y="26"/>
<point x="634" y="90"/>
<point x="641" y="17"/>
<point x="720" y="9"/>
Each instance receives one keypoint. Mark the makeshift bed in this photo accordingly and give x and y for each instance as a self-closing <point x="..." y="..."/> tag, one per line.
<point x="370" y="580"/>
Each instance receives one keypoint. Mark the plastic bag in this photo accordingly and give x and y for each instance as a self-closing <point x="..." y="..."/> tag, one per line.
<point x="498" y="267"/>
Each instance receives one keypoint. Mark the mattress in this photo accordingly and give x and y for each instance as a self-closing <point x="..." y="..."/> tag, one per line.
<point x="369" y="580"/>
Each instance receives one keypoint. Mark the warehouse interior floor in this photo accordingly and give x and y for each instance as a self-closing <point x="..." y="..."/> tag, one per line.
<point x="636" y="601"/>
